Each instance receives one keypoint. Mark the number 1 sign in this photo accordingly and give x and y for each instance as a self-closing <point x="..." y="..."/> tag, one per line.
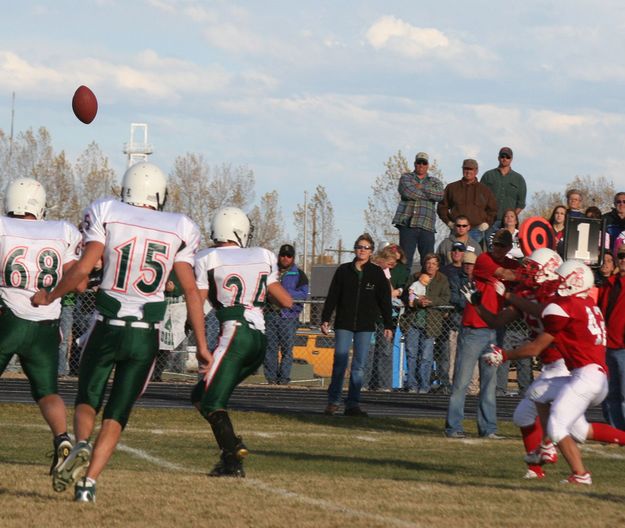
<point x="583" y="240"/>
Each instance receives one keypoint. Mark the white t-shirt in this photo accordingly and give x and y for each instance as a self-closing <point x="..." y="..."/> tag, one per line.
<point x="237" y="276"/>
<point x="141" y="246"/>
<point x="33" y="253"/>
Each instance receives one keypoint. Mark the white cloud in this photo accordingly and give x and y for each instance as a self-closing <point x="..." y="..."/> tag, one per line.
<point x="16" y="72"/>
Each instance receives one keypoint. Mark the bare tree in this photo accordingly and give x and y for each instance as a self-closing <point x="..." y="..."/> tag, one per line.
<point x="597" y="191"/>
<point x="268" y="222"/>
<point x="198" y="190"/>
<point x="320" y="225"/>
<point x="95" y="179"/>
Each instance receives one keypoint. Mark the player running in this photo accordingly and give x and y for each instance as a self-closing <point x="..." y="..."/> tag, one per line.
<point x="236" y="280"/>
<point x="574" y="324"/>
<point x="139" y="245"/>
<point x="35" y="253"/>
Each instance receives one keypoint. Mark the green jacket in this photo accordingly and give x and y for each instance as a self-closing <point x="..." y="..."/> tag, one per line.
<point x="432" y="318"/>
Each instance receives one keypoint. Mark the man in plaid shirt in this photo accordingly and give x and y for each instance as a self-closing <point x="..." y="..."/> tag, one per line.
<point x="416" y="213"/>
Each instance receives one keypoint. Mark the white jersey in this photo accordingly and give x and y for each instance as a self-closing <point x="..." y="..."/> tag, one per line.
<point x="140" y="248"/>
<point x="33" y="253"/>
<point x="237" y="276"/>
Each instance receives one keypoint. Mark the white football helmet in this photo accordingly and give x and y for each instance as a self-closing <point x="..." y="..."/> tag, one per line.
<point x="230" y="224"/>
<point x="541" y="265"/>
<point x="144" y="184"/>
<point x="25" y="196"/>
<point x="575" y="279"/>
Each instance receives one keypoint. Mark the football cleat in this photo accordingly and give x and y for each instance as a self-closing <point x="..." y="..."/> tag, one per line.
<point x="578" y="479"/>
<point x="62" y="448"/>
<point x="545" y="454"/>
<point x="84" y="491"/>
<point x="229" y="465"/>
<point x="69" y="471"/>
<point x="535" y="472"/>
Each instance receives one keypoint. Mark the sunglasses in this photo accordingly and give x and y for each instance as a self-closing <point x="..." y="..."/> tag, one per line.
<point x="621" y="256"/>
<point x="457" y="249"/>
<point x="616" y="202"/>
<point x="462" y="225"/>
<point x="362" y="247"/>
<point x="421" y="162"/>
<point x="505" y="156"/>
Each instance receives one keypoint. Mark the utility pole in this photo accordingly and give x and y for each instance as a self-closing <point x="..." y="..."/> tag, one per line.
<point x="306" y="268"/>
<point x="339" y="251"/>
<point x="314" y="234"/>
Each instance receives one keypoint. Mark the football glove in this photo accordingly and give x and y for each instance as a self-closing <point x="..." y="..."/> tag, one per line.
<point x="496" y="357"/>
<point x="471" y="293"/>
<point x="500" y="287"/>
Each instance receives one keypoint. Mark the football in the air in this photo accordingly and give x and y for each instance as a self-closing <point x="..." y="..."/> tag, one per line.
<point x="84" y="104"/>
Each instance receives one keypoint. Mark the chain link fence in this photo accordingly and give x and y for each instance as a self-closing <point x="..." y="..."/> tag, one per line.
<point x="395" y="365"/>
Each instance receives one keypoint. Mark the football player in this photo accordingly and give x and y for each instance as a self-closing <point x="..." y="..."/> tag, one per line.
<point x="574" y="324"/>
<point x="236" y="280"/>
<point x="527" y="303"/>
<point x="35" y="254"/>
<point x="139" y="245"/>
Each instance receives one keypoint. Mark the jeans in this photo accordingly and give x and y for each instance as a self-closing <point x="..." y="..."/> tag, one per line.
<point x="379" y="369"/>
<point x="419" y="358"/>
<point x="343" y="341"/>
<point x="412" y="237"/>
<point x="472" y="344"/>
<point x="280" y="334"/>
<point x="614" y="403"/>
<point x="524" y="376"/>
<point x="65" y="326"/>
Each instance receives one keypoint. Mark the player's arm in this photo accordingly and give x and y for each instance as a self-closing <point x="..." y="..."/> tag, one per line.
<point x="530" y="349"/>
<point x="76" y="275"/>
<point x="195" y="311"/>
<point x="499" y="320"/>
<point x="280" y="295"/>
<point x="506" y="274"/>
<point x="520" y="303"/>
<point x="82" y="286"/>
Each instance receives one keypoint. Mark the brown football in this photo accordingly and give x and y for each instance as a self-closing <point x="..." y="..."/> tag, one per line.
<point x="84" y="104"/>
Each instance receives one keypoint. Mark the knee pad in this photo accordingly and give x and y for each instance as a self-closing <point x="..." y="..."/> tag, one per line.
<point x="525" y="413"/>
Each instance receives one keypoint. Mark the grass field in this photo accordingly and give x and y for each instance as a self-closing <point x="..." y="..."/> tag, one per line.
<point x="304" y="471"/>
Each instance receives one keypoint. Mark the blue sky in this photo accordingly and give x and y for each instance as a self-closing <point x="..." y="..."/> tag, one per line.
<point x="321" y="92"/>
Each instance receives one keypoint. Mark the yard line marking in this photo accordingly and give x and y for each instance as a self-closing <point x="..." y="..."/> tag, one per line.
<point x="259" y="484"/>
<point x="602" y="453"/>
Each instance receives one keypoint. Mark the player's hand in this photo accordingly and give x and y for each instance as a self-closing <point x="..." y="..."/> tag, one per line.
<point x="204" y="360"/>
<point x="325" y="328"/>
<point x="471" y="293"/>
<point x="496" y="357"/>
<point x="40" y="298"/>
<point x="388" y="334"/>
<point x="500" y="287"/>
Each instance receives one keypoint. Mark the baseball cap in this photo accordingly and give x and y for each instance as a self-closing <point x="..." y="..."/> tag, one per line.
<point x="503" y="237"/>
<point x="469" y="258"/>
<point x="286" y="250"/>
<point x="505" y="150"/>
<point x="458" y="245"/>
<point x="422" y="156"/>
<point x="469" y="164"/>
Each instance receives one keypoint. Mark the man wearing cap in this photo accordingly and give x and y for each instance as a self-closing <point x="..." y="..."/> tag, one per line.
<point x="281" y="323"/>
<point x="470" y="198"/>
<point x="612" y="304"/>
<point x="475" y="340"/>
<point x="415" y="216"/>
<point x="507" y="185"/>
<point x="459" y="234"/>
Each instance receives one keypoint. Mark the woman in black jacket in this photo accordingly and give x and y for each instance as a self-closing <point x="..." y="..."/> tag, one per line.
<point x="359" y="294"/>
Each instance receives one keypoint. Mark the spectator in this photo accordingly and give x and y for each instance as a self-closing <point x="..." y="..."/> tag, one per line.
<point x="612" y="304"/>
<point x="511" y="223"/>
<point x="593" y="212"/>
<point x="607" y="269"/>
<point x="423" y="323"/>
<point x="460" y="233"/>
<point x="558" y="221"/>
<point x="415" y="216"/>
<point x="456" y="276"/>
<point x="469" y="198"/>
<point x="475" y="340"/>
<point x="282" y="323"/>
<point x="507" y="185"/>
<point x="574" y="203"/>
<point x="359" y="293"/>
<point x="615" y="220"/>
<point x="379" y="369"/>
<point x="68" y="304"/>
